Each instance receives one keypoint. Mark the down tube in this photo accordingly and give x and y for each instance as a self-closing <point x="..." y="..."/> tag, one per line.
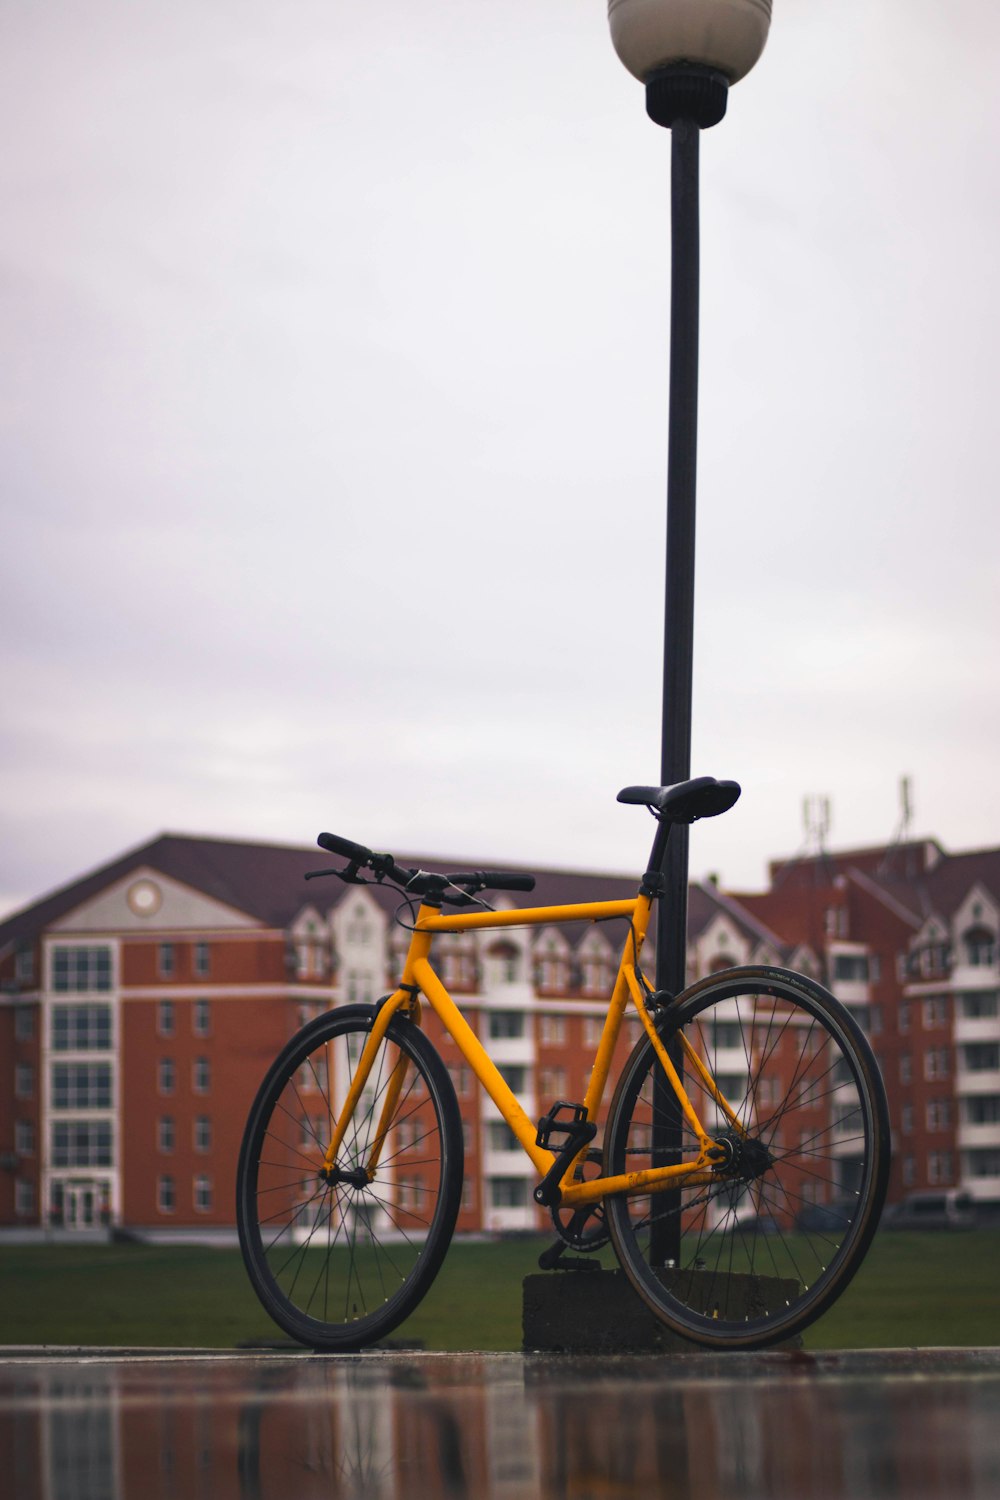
<point x="479" y="1060"/>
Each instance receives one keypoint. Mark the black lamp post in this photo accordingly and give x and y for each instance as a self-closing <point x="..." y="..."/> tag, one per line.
<point x="687" y="53"/>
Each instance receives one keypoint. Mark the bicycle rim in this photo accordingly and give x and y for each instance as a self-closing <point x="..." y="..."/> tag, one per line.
<point x="340" y="1259"/>
<point x="765" y="1246"/>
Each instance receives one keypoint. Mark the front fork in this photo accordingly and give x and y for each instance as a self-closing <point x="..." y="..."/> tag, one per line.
<point x="401" y="1000"/>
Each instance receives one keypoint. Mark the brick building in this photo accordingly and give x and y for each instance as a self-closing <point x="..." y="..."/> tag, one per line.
<point x="908" y="938"/>
<point x="141" y="1005"/>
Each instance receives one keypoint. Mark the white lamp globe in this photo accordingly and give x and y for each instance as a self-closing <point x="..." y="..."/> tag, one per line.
<point x="725" y="35"/>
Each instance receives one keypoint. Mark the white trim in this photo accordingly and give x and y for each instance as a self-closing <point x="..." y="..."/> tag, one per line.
<point x="168" y="991"/>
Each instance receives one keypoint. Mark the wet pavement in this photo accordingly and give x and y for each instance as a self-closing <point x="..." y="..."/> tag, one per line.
<point x="114" y="1425"/>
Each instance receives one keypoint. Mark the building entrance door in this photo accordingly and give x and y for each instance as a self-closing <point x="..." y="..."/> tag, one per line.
<point x="80" y="1205"/>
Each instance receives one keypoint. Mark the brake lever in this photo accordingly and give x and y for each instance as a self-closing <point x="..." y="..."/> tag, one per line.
<point x="349" y="874"/>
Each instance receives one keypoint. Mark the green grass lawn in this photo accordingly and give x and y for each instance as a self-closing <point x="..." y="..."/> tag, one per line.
<point x="914" y="1289"/>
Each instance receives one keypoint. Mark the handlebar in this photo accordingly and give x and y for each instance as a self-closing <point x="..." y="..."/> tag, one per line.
<point x="418" y="882"/>
<point x="356" y="853"/>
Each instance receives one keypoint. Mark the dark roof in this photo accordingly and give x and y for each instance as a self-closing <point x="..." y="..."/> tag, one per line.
<point x="706" y="901"/>
<point x="949" y="883"/>
<point x="903" y="862"/>
<point x="266" y="881"/>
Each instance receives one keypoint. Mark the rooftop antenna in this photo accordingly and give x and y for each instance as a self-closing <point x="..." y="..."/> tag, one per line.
<point x="902" y="834"/>
<point x="816" y="820"/>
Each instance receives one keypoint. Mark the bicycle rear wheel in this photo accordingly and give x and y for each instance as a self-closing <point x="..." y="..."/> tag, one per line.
<point x="763" y="1248"/>
<point x="340" y="1259"/>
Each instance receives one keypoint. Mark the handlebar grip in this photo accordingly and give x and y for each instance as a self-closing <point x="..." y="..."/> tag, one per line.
<point x="357" y="853"/>
<point x="499" y="880"/>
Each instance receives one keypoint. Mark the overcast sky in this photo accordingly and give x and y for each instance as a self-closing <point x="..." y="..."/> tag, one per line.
<point x="333" y="424"/>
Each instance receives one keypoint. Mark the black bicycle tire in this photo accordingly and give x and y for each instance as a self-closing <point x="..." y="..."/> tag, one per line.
<point x="353" y="1333"/>
<point x="703" y="1328"/>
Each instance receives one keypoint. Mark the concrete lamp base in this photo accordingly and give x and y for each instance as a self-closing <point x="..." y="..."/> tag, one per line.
<point x="568" y="1312"/>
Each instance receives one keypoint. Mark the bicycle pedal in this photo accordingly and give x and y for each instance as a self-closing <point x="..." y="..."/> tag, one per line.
<point x="578" y="1132"/>
<point x="577" y="1127"/>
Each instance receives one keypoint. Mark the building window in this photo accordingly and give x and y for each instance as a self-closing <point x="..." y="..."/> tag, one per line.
<point x="166" y="1195"/>
<point x="201" y="961"/>
<point x="904" y="1016"/>
<point x="506" y="1023"/>
<point x="906" y="1068"/>
<point x="166" y="1134"/>
<point x="552" y="1083"/>
<point x="939" y="1167"/>
<point x="166" y="960"/>
<point x="935" y="1012"/>
<point x="24" y="1081"/>
<point x="982" y="1109"/>
<point x="24" y="1199"/>
<point x="508" y="1192"/>
<point x="939" y="1114"/>
<point x="503" y="962"/>
<point x="980" y="947"/>
<point x="516" y="1078"/>
<point x="981" y="1057"/>
<point x="24" y="966"/>
<point x="203" y="1133"/>
<point x="306" y="1079"/>
<point x="459" y="1075"/>
<point x="201" y="1075"/>
<point x="358" y="931"/>
<point x="907" y="1119"/>
<point x="81" y="1143"/>
<point x="24" y="1137"/>
<point x="24" y="1024"/>
<point x="81" y="1028"/>
<point x="983" y="1163"/>
<point x="596" y="975"/>
<point x="203" y="1194"/>
<point x="936" y="1063"/>
<point x="852" y="968"/>
<point x="201" y="1018"/>
<point x="81" y="1086"/>
<point x="593" y="1026"/>
<point x="166" y="1075"/>
<point x="980" y="1005"/>
<point x="502" y="1138"/>
<point x="79" y="970"/>
<point x="553" y="1031"/>
<point x="165" y="1018"/>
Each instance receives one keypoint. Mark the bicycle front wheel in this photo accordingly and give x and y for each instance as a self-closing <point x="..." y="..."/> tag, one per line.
<point x="339" y="1257"/>
<point x="761" y="1248"/>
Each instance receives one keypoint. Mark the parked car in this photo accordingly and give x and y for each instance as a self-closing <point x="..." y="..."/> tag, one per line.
<point x="757" y="1224"/>
<point x="950" y="1210"/>
<point x="817" y="1217"/>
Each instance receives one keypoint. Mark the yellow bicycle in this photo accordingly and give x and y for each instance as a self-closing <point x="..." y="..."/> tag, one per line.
<point x="743" y="1165"/>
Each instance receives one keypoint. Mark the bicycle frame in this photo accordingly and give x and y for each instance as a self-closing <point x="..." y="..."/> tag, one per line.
<point x="420" y="978"/>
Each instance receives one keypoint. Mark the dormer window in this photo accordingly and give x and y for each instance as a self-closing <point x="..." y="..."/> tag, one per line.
<point x="503" y="962"/>
<point x="980" y="947"/>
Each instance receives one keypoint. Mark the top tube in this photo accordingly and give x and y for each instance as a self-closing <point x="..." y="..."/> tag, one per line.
<point x="526" y="916"/>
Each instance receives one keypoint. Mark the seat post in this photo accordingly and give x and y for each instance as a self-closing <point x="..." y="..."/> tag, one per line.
<point x="658" y="852"/>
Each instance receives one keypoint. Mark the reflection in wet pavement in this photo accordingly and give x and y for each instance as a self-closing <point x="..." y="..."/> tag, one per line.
<point x="499" y="1427"/>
